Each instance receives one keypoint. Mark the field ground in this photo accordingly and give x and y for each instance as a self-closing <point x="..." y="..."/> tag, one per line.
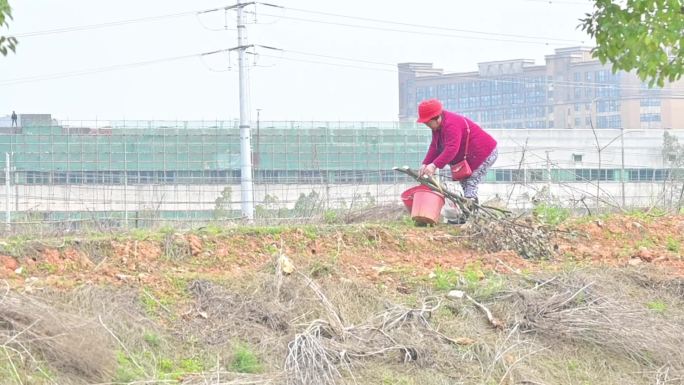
<point x="382" y="303"/>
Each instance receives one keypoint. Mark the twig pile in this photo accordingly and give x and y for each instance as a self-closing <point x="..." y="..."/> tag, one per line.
<point x="575" y="309"/>
<point x="33" y="332"/>
<point x="492" y="229"/>
<point x="320" y="353"/>
<point x="529" y="239"/>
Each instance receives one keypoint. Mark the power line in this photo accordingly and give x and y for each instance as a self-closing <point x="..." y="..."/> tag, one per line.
<point x="430" y="27"/>
<point x="104" y="25"/>
<point x="364" y="65"/>
<point x="512" y="81"/>
<point x="90" y="71"/>
<point x="551" y="2"/>
<point x="453" y="36"/>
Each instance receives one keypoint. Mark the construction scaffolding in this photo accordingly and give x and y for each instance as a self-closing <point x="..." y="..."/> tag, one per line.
<point x="149" y="173"/>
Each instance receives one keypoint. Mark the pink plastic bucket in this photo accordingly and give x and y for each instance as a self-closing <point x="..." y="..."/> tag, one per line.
<point x="407" y="196"/>
<point x="427" y="206"/>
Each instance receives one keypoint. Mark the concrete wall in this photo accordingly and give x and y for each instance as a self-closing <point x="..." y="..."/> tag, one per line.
<point x="203" y="197"/>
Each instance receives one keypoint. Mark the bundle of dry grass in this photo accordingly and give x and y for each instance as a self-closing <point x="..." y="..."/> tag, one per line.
<point x="529" y="239"/>
<point x="323" y="352"/>
<point x="595" y="310"/>
<point x="220" y="316"/>
<point x="34" y="332"/>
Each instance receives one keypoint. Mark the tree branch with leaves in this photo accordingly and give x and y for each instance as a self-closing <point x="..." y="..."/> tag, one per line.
<point x="642" y="35"/>
<point x="7" y="43"/>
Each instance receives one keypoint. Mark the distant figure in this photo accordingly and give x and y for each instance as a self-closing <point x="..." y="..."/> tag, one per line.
<point x="14" y="119"/>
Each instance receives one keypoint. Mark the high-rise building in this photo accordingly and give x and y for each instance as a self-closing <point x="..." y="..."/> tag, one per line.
<point x="571" y="90"/>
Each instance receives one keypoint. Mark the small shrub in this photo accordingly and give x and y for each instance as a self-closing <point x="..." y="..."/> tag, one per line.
<point x="191" y="365"/>
<point x="673" y="245"/>
<point x="331" y="217"/>
<point x="152" y="340"/>
<point x="166" y="365"/>
<point x="646" y="242"/>
<point x="244" y="360"/>
<point x="551" y="215"/>
<point x="212" y="229"/>
<point x="445" y="279"/>
<point x="126" y="370"/>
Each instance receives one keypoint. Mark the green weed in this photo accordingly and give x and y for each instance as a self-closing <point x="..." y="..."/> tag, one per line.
<point x="152" y="339"/>
<point x="191" y="365"/>
<point x="166" y="365"/>
<point x="141" y="234"/>
<point x="244" y="360"/>
<point x="331" y="217"/>
<point x="261" y="230"/>
<point x="310" y="232"/>
<point x="657" y="306"/>
<point x="445" y="279"/>
<point x="127" y="370"/>
<point x="551" y="215"/>
<point x="212" y="229"/>
<point x="646" y="243"/>
<point x="154" y="306"/>
<point x="673" y="245"/>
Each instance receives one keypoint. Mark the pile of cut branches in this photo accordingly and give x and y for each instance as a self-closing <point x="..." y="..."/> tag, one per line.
<point x="585" y="309"/>
<point x="33" y="332"/>
<point x="492" y="229"/>
<point x="326" y="348"/>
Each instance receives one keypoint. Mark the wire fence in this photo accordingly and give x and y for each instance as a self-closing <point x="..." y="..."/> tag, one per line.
<point x="100" y="175"/>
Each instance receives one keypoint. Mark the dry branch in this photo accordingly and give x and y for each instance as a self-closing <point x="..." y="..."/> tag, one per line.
<point x="571" y="309"/>
<point x="495" y="322"/>
<point x="322" y="353"/>
<point x="33" y="331"/>
<point x="492" y="229"/>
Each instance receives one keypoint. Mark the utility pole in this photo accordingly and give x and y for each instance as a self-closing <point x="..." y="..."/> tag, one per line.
<point x="8" y="187"/>
<point x="246" y="171"/>
<point x="622" y="163"/>
<point x="548" y="175"/>
<point x="247" y="184"/>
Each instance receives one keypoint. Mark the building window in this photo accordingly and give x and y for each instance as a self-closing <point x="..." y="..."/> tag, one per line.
<point x="601" y="76"/>
<point x="587" y="174"/>
<point x="650" y="102"/>
<point x="647" y="175"/>
<point x="649" y="117"/>
<point x="577" y="157"/>
<point x="578" y="93"/>
<point x="536" y="175"/>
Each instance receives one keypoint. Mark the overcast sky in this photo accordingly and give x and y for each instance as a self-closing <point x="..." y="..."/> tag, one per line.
<point x="294" y="84"/>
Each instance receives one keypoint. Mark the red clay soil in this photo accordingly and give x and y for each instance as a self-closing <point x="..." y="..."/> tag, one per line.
<point x="376" y="253"/>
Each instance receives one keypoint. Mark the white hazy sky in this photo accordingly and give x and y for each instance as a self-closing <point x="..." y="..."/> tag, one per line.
<point x="286" y="85"/>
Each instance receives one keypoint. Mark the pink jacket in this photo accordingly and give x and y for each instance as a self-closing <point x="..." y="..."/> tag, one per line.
<point x="448" y="142"/>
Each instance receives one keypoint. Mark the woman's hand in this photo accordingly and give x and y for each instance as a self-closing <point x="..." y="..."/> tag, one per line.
<point x="427" y="170"/>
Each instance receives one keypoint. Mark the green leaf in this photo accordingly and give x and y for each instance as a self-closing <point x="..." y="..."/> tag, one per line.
<point x="637" y="36"/>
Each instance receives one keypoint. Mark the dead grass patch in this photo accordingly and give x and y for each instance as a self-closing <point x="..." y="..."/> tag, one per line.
<point x="36" y="334"/>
